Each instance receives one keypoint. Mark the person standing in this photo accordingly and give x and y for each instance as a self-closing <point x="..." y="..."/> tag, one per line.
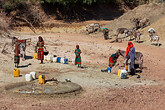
<point x="78" y="57"/>
<point x="40" y="45"/>
<point x="130" y="58"/>
<point x="16" y="54"/>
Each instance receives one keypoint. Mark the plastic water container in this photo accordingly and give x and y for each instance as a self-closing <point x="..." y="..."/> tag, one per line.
<point x="62" y="60"/>
<point x="50" y="58"/>
<point x="59" y="59"/>
<point x="45" y="57"/>
<point x="73" y="61"/>
<point x="126" y="67"/>
<point x="28" y="77"/>
<point x="16" y="72"/>
<point x="55" y="59"/>
<point x="123" y="74"/>
<point x="33" y="75"/>
<point x="108" y="69"/>
<point x="41" y="79"/>
<point x="119" y="71"/>
<point x="65" y="61"/>
<point x="35" y="55"/>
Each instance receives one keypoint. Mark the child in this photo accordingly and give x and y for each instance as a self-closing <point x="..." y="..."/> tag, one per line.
<point x="78" y="57"/>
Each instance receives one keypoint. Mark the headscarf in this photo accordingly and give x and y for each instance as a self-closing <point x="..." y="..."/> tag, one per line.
<point x="129" y="46"/>
<point x="40" y="38"/>
<point x="77" y="46"/>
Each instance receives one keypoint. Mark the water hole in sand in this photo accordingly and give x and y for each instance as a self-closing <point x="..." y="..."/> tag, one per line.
<point x="52" y="87"/>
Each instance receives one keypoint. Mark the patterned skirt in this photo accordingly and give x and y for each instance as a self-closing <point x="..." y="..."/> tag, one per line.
<point x="40" y="54"/>
<point x="78" y="60"/>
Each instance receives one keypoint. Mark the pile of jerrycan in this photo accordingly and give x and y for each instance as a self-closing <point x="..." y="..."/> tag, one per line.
<point x="55" y="59"/>
<point x="122" y="73"/>
<point x="30" y="77"/>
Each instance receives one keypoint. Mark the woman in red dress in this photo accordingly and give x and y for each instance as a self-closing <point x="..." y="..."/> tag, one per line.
<point x="40" y="45"/>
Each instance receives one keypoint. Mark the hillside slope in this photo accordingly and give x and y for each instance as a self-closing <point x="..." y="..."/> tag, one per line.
<point x="151" y="11"/>
<point x="159" y="27"/>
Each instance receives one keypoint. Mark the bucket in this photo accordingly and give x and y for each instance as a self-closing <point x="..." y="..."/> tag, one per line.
<point x="119" y="70"/>
<point x="33" y="75"/>
<point x="123" y="74"/>
<point x="65" y="61"/>
<point x="28" y="77"/>
<point x="45" y="57"/>
<point x="55" y="59"/>
<point x="62" y="60"/>
<point x="108" y="69"/>
<point x="45" y="52"/>
<point x="41" y="79"/>
<point x="16" y="72"/>
<point x="59" y="59"/>
<point x="35" y="55"/>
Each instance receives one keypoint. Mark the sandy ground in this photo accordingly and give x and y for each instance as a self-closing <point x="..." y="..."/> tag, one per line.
<point x="101" y="90"/>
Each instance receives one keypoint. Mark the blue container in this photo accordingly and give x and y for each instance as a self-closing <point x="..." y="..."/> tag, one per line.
<point x="59" y="59"/>
<point x="108" y="69"/>
<point x="65" y="61"/>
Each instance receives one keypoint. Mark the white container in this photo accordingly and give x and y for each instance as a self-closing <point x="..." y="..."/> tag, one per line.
<point x="45" y="57"/>
<point x="50" y="58"/>
<point x="33" y="75"/>
<point x="73" y="61"/>
<point x="62" y="60"/>
<point x="55" y="59"/>
<point x="28" y="77"/>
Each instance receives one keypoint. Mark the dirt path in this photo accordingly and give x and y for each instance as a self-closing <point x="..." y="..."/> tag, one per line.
<point x="100" y="90"/>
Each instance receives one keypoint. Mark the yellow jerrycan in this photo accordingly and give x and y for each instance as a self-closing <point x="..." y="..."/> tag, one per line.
<point x="41" y="79"/>
<point x="126" y="67"/>
<point x="118" y="72"/>
<point x="35" y="55"/>
<point x="16" y="72"/>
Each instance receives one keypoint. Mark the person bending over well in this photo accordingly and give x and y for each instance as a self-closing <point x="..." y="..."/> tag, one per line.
<point x="113" y="60"/>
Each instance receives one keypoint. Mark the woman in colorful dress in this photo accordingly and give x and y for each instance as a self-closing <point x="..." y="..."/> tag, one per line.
<point x="78" y="57"/>
<point x="40" y="45"/>
<point x="130" y="58"/>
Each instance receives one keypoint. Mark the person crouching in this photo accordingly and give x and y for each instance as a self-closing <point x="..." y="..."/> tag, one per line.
<point x="113" y="59"/>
